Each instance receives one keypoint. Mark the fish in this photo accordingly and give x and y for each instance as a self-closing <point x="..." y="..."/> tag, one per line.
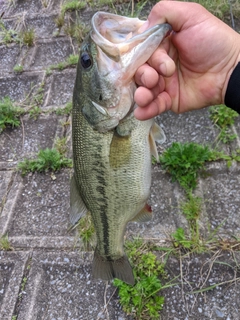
<point x="112" y="149"/>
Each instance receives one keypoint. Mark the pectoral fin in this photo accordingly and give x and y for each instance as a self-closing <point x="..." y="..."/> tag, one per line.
<point x="156" y="134"/>
<point x="77" y="206"/>
<point x="144" y="215"/>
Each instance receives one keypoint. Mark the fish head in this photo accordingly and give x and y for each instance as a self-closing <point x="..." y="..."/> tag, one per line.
<point x="109" y="58"/>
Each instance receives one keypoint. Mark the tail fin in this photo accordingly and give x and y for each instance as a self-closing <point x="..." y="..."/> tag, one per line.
<point x="110" y="269"/>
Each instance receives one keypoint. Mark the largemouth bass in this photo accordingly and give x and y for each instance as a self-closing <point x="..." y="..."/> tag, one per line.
<point x="111" y="149"/>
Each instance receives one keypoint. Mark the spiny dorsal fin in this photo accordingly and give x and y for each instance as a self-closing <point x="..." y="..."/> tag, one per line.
<point x="77" y="207"/>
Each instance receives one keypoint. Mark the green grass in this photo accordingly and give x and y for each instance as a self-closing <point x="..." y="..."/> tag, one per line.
<point x="28" y="37"/>
<point x="71" y="5"/>
<point x="5" y="244"/>
<point x="184" y="161"/>
<point x="47" y="160"/>
<point x="9" y="114"/>
<point x="223" y="117"/>
<point x="142" y="300"/>
<point x="18" y="68"/>
<point x="72" y="60"/>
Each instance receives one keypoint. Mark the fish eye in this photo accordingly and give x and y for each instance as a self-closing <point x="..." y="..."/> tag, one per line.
<point x="86" y="60"/>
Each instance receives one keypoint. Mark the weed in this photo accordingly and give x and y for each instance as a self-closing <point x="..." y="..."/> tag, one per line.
<point x="66" y="110"/>
<point x="47" y="159"/>
<point x="183" y="162"/>
<point x="223" y="117"/>
<point x="59" y="21"/>
<point x="217" y="7"/>
<point x="72" y="5"/>
<point x="8" y="36"/>
<point x="9" y="114"/>
<point x="28" y="37"/>
<point x="5" y="244"/>
<point x="142" y="300"/>
<point x="14" y="317"/>
<point x="60" y="145"/>
<point x="70" y="61"/>
<point x="86" y="230"/>
<point x="18" y="68"/>
<point x="181" y="240"/>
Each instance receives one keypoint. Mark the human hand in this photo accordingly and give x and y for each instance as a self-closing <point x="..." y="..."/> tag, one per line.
<point x="191" y="68"/>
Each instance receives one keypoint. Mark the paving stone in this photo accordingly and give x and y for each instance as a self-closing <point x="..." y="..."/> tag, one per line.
<point x="60" y="287"/>
<point x="9" y="56"/>
<point x="222" y="200"/>
<point x="44" y="25"/>
<point x="40" y="211"/>
<point x="49" y="52"/>
<point x="61" y="86"/>
<point x="12" y="265"/>
<point x="17" y="87"/>
<point x="5" y="178"/>
<point x="27" y="140"/>
<point x="190" y="126"/>
<point x="21" y="6"/>
<point x="197" y="272"/>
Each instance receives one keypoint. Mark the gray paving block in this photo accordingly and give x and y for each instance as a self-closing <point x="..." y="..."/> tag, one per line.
<point x="27" y="140"/>
<point x="43" y="25"/>
<point x="60" y="88"/>
<point x="60" y="287"/>
<point x="200" y="272"/>
<point x="37" y="214"/>
<point x="12" y="265"/>
<point x="21" y="6"/>
<point x="18" y="86"/>
<point x="222" y="199"/>
<point x="9" y="55"/>
<point x="190" y="126"/>
<point x="5" y="179"/>
<point x="49" y="52"/>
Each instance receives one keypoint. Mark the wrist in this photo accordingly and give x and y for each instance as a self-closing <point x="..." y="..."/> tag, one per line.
<point x="232" y="93"/>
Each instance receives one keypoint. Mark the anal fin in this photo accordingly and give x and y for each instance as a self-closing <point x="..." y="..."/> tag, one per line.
<point x="144" y="215"/>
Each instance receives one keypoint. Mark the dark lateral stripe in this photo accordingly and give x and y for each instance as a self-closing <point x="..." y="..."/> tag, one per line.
<point x="103" y="209"/>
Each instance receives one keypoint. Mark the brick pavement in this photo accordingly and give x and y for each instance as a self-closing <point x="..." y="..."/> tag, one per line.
<point x="34" y="209"/>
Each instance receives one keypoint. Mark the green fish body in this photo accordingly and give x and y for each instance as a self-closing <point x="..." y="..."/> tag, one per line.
<point x="111" y="149"/>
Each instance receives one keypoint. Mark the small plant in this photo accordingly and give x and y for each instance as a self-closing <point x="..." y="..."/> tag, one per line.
<point x="28" y="37"/>
<point x="70" y="61"/>
<point x="5" y="244"/>
<point x="18" y="68"/>
<point x="142" y="300"/>
<point x="9" y="114"/>
<point x="86" y="230"/>
<point x="47" y="159"/>
<point x="59" y="21"/>
<point x="72" y="5"/>
<point x="66" y="110"/>
<point x="223" y="117"/>
<point x="183" y="162"/>
<point x="60" y="145"/>
<point x="8" y="36"/>
<point x="180" y="240"/>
